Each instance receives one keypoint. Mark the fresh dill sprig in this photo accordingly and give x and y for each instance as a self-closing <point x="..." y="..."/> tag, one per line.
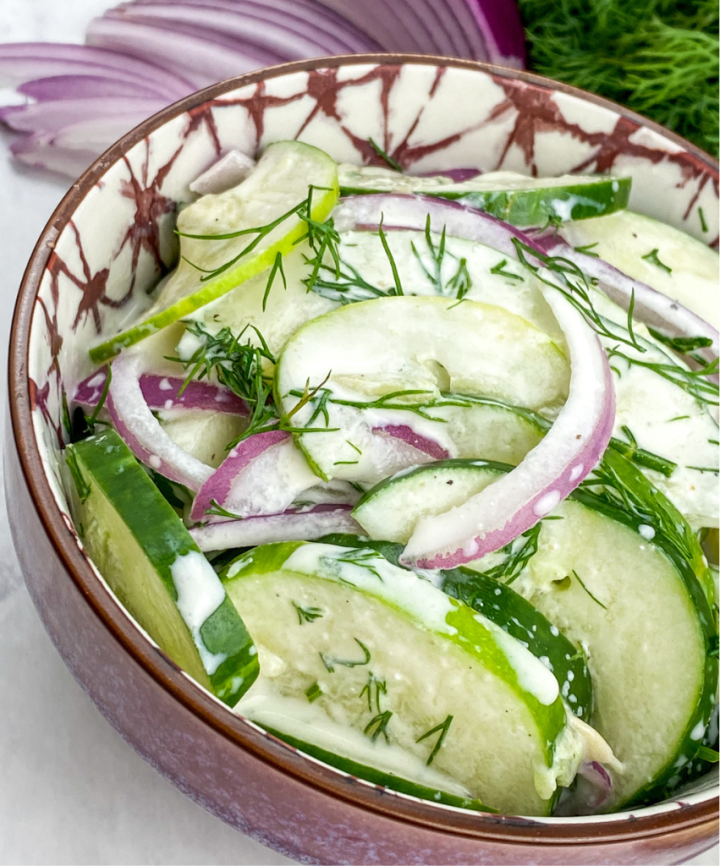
<point x="390" y="258"/>
<point x="93" y="419"/>
<point x="218" y="511"/>
<point x="330" y="661"/>
<point x="499" y="271"/>
<point x="587" y="250"/>
<point x="313" y="692"/>
<point x="378" y="726"/>
<point x="518" y="553"/>
<point x="692" y="381"/>
<point x="307" y="614"/>
<point x="374" y="687"/>
<point x="653" y="259"/>
<point x="362" y="558"/>
<point x="658" y="57"/>
<point x="640" y="456"/>
<point x="394" y="164"/>
<point x="277" y="267"/>
<point x="681" y="345"/>
<point x="442" y="728"/>
<point x="580" y="581"/>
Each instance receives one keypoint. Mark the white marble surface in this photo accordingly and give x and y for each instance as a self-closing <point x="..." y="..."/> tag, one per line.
<point x="71" y="790"/>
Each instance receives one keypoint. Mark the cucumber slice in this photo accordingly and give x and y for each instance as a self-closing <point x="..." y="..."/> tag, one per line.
<point x="681" y="267"/>
<point x="277" y="314"/>
<point x="151" y="563"/>
<point x="280" y="182"/>
<point x="515" y="198"/>
<point x="653" y="711"/>
<point x="343" y="619"/>
<point x="391" y="509"/>
<point x="366" y="362"/>
<point x="516" y="616"/>
<point x="379" y="777"/>
<point x="204" y="435"/>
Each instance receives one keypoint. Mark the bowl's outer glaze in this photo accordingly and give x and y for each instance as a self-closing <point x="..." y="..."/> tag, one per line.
<point x="107" y="244"/>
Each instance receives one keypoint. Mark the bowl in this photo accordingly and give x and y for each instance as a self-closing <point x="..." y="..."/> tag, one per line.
<point x="110" y="239"/>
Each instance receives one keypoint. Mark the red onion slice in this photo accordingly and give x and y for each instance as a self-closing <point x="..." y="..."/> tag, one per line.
<point x="651" y="307"/>
<point x="24" y="61"/>
<point x="162" y="393"/>
<point x="58" y="114"/>
<point x="224" y="174"/>
<point x="547" y="475"/>
<point x="365" y="212"/>
<point x="407" y="435"/>
<point x="261" y="475"/>
<point x="60" y="87"/>
<point x="142" y="432"/>
<point x="289" y="526"/>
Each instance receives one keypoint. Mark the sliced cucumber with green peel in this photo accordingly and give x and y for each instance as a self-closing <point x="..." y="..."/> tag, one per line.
<point x="368" y="364"/>
<point x="664" y="257"/>
<point x="394" y="657"/>
<point x="269" y="199"/>
<point x="515" y="198"/>
<point x="498" y="602"/>
<point x="151" y="563"/>
<point x="391" y="509"/>
<point x="617" y="582"/>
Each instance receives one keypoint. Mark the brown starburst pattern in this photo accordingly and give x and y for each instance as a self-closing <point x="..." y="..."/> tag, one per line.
<point x="151" y="205"/>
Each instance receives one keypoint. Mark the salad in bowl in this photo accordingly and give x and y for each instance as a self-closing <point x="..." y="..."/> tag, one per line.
<point x="419" y="475"/>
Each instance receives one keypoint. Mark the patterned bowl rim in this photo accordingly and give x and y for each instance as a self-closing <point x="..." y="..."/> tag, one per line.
<point x="508" y="829"/>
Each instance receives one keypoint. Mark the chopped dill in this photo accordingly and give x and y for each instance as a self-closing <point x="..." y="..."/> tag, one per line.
<point x="374" y="687"/>
<point x="394" y="164"/>
<point x="391" y="259"/>
<point x="443" y="728"/>
<point x="313" y="692"/>
<point x="580" y="581"/>
<point x="703" y="224"/>
<point x="653" y="258"/>
<point x="277" y="267"/>
<point x="218" y="511"/>
<point x="307" y="614"/>
<point x="330" y="661"/>
<point x="498" y="270"/>
<point x="587" y="250"/>
<point x="378" y="726"/>
<point x="681" y="345"/>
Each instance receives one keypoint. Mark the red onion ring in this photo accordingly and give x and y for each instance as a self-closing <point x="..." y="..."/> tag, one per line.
<point x="651" y="307"/>
<point x="142" y="432"/>
<point x="289" y="526"/>
<point x="548" y="474"/>
<point x="407" y="435"/>
<point x="163" y="393"/>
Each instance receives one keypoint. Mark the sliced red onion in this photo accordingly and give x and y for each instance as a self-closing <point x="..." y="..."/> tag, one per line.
<point x="289" y="526"/>
<point x="227" y="172"/>
<point x="142" y="432"/>
<point x="548" y="474"/>
<point x="201" y="56"/>
<point x="365" y="213"/>
<point x="25" y="61"/>
<point x="651" y="307"/>
<point x="410" y="437"/>
<point x="247" y="22"/>
<point x="162" y="393"/>
<point x="60" y="87"/>
<point x="592" y="796"/>
<point x="55" y="115"/>
<point x="261" y="475"/>
<point x="311" y="15"/>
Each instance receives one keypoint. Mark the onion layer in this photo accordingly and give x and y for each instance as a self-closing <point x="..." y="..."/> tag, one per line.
<point x="289" y="526"/>
<point x="142" y="432"/>
<point x="548" y="474"/>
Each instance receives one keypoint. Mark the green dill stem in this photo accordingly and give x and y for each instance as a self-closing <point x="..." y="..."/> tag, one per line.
<point x="498" y="270"/>
<point x="391" y="259"/>
<point x="330" y="661"/>
<point x="596" y="600"/>
<point x="652" y="258"/>
<point x="394" y="164"/>
<point x="91" y="421"/>
<point x="218" y="511"/>
<point x="307" y="614"/>
<point x="313" y="692"/>
<point x="444" y="727"/>
<point x="703" y="224"/>
<point x="378" y="726"/>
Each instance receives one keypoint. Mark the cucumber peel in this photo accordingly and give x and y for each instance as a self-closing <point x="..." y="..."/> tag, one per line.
<point x="288" y="174"/>
<point x="151" y="563"/>
<point x="368" y="617"/>
<point x="515" y="198"/>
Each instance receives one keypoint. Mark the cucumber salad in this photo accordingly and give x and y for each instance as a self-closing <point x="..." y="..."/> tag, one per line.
<point x="419" y="475"/>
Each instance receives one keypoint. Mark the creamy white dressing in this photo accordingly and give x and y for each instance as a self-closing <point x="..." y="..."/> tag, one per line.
<point x="199" y="594"/>
<point x="308" y="722"/>
<point x="424" y="602"/>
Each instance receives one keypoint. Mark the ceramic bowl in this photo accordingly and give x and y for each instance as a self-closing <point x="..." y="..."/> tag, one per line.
<point x="111" y="237"/>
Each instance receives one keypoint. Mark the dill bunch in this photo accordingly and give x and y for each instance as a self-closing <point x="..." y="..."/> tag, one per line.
<point x="657" y="57"/>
